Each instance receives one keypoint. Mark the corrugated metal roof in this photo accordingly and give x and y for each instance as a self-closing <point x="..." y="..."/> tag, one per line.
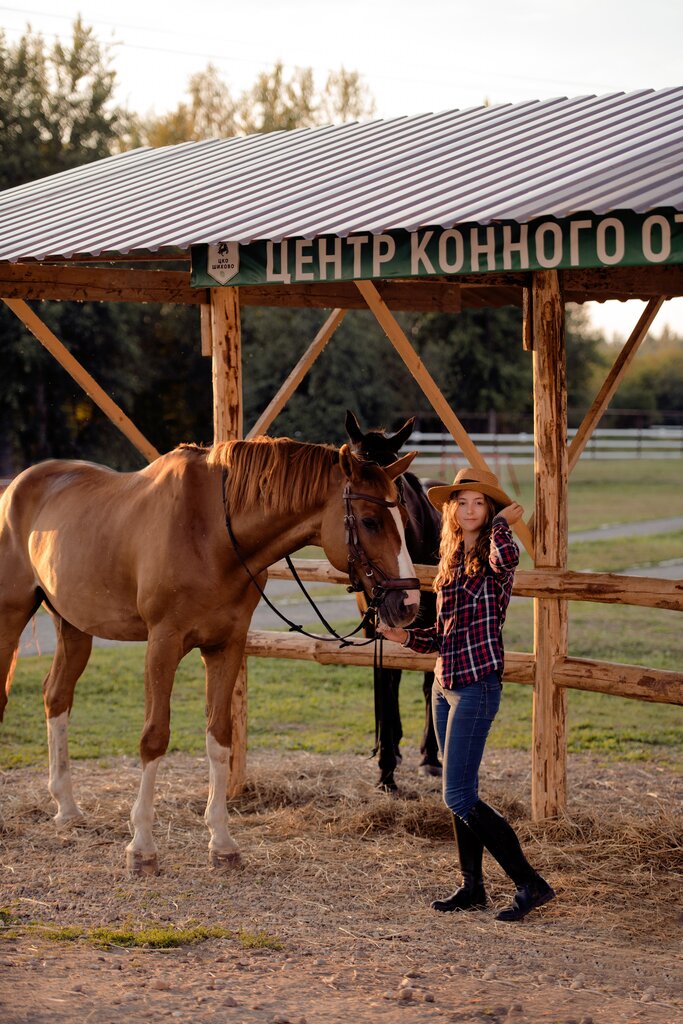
<point x="515" y="162"/>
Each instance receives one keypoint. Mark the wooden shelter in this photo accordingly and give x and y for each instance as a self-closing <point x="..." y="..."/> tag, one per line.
<point x="534" y="204"/>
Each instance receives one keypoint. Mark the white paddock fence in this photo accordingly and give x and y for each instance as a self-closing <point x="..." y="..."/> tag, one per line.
<point x="632" y="443"/>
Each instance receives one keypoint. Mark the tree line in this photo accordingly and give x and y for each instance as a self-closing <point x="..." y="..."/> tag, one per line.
<point x="57" y="111"/>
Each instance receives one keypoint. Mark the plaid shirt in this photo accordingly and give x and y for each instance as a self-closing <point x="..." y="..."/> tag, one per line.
<point x="470" y="612"/>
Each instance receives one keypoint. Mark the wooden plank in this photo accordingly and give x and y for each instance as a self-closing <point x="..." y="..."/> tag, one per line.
<point x="612" y="381"/>
<point x="600" y="587"/>
<point x="97" y="284"/>
<point x="603" y="283"/>
<point x="226" y="345"/>
<point x="654" y="685"/>
<point x="271" y="644"/>
<point x="430" y="388"/>
<point x="55" y="347"/>
<point x="549" y="743"/>
<point x="205" y="329"/>
<point x="298" y="373"/>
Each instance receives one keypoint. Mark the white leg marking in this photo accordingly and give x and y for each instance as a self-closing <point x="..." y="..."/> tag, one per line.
<point x="221" y="844"/>
<point x="141" y="847"/>
<point x="405" y="562"/>
<point x="59" y="783"/>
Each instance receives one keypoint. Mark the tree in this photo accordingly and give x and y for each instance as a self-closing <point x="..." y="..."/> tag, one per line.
<point x="56" y="112"/>
<point x="274" y="103"/>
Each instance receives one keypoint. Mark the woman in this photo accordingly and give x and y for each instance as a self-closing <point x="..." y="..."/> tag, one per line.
<point x="478" y="558"/>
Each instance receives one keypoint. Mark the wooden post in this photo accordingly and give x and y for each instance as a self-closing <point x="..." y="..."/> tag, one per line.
<point x="226" y="348"/>
<point x="549" y="752"/>
<point x="108" y="406"/>
<point x="430" y="388"/>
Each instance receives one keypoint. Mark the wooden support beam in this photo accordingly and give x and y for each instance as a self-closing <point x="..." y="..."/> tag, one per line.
<point x="549" y="750"/>
<point x="298" y="373"/>
<point x="614" y="378"/>
<point x="650" y="684"/>
<point x="226" y="347"/>
<point x="429" y="386"/>
<point x="108" y="406"/>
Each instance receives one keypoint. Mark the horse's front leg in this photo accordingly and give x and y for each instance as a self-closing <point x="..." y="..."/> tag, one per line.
<point x="164" y="651"/>
<point x="222" y="667"/>
<point x="71" y="656"/>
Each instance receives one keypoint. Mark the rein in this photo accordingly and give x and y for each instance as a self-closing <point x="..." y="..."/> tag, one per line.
<point x="383" y="583"/>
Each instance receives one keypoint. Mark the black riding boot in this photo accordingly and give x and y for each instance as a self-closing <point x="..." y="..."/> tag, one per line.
<point x="501" y="841"/>
<point x="471" y="894"/>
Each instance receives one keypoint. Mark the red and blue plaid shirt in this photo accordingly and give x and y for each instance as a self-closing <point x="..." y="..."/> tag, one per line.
<point x="470" y="612"/>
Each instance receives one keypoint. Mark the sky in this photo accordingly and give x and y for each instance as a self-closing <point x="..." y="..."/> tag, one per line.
<point x="413" y="57"/>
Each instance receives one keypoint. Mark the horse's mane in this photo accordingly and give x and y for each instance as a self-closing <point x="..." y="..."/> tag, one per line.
<point x="273" y="473"/>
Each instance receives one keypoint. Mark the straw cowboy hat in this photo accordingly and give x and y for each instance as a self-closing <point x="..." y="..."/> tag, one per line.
<point x="469" y="479"/>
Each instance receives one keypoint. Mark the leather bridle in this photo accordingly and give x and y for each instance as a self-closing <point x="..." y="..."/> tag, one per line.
<point x="357" y="556"/>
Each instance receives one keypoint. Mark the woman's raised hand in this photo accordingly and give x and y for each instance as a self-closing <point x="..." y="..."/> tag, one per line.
<point x="512" y="513"/>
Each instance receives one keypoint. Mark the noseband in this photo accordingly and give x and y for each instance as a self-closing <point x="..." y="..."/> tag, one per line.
<point x="357" y="556"/>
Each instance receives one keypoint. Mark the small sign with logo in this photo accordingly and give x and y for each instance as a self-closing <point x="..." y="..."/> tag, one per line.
<point x="223" y="261"/>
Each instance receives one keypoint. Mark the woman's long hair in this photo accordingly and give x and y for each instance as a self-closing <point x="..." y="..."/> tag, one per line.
<point x="477" y="560"/>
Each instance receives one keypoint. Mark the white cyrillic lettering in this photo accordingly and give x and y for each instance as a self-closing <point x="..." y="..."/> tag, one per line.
<point x="574" y="245"/>
<point x="301" y="258"/>
<point x="379" y="257"/>
<point x="541" y="231"/>
<point x="665" y="239"/>
<point x="521" y="247"/>
<point x="451" y="266"/>
<point x="357" y="242"/>
<point x="418" y="254"/>
<point x="478" y="248"/>
<point x="619" y="243"/>
<point x="326" y="259"/>
<point x="271" y="273"/>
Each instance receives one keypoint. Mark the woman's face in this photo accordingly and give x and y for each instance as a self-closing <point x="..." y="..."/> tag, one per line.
<point x="472" y="511"/>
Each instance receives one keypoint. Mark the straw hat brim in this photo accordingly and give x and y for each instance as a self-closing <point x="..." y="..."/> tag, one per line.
<point x="438" y="496"/>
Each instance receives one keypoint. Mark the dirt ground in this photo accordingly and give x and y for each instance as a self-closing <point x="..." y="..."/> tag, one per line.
<point x="328" y="918"/>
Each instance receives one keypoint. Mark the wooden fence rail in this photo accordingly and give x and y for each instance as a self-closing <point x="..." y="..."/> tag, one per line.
<point x="634" y="681"/>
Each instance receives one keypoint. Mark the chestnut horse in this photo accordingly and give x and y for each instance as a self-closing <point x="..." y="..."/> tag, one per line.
<point x="423" y="530"/>
<point x="147" y="556"/>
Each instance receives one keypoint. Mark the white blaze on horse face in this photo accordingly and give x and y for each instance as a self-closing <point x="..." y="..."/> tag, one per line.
<point x="216" y="814"/>
<point x="405" y="562"/>
<point x="59" y="784"/>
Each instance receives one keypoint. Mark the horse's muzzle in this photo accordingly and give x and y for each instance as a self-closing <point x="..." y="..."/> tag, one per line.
<point x="399" y="607"/>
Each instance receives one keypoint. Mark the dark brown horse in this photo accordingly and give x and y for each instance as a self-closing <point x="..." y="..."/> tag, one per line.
<point x="147" y="556"/>
<point x="422" y="537"/>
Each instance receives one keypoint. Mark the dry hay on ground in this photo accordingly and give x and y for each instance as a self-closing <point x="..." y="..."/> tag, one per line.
<point x="335" y="869"/>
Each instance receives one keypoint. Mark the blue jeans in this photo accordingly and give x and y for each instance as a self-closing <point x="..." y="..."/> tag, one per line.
<point x="462" y="719"/>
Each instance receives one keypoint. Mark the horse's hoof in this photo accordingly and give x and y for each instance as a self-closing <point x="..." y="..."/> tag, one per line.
<point x="142" y="865"/>
<point x="74" y="819"/>
<point x="225" y="861"/>
<point x="387" y="787"/>
<point x="434" y="771"/>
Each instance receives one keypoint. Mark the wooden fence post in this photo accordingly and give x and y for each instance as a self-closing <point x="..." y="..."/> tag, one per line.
<point x="549" y="752"/>
<point x="226" y="355"/>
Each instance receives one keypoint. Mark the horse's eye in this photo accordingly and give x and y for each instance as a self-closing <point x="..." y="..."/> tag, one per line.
<point x="370" y="524"/>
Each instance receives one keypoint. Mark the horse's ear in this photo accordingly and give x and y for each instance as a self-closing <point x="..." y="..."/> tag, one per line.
<point x="348" y="461"/>
<point x="396" y="468"/>
<point x="402" y="435"/>
<point x="353" y="428"/>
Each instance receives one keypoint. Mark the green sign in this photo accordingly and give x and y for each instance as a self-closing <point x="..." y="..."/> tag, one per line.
<point x="614" y="240"/>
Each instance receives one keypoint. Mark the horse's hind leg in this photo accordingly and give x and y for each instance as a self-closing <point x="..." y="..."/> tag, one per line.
<point x="164" y="651"/>
<point x="71" y="656"/>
